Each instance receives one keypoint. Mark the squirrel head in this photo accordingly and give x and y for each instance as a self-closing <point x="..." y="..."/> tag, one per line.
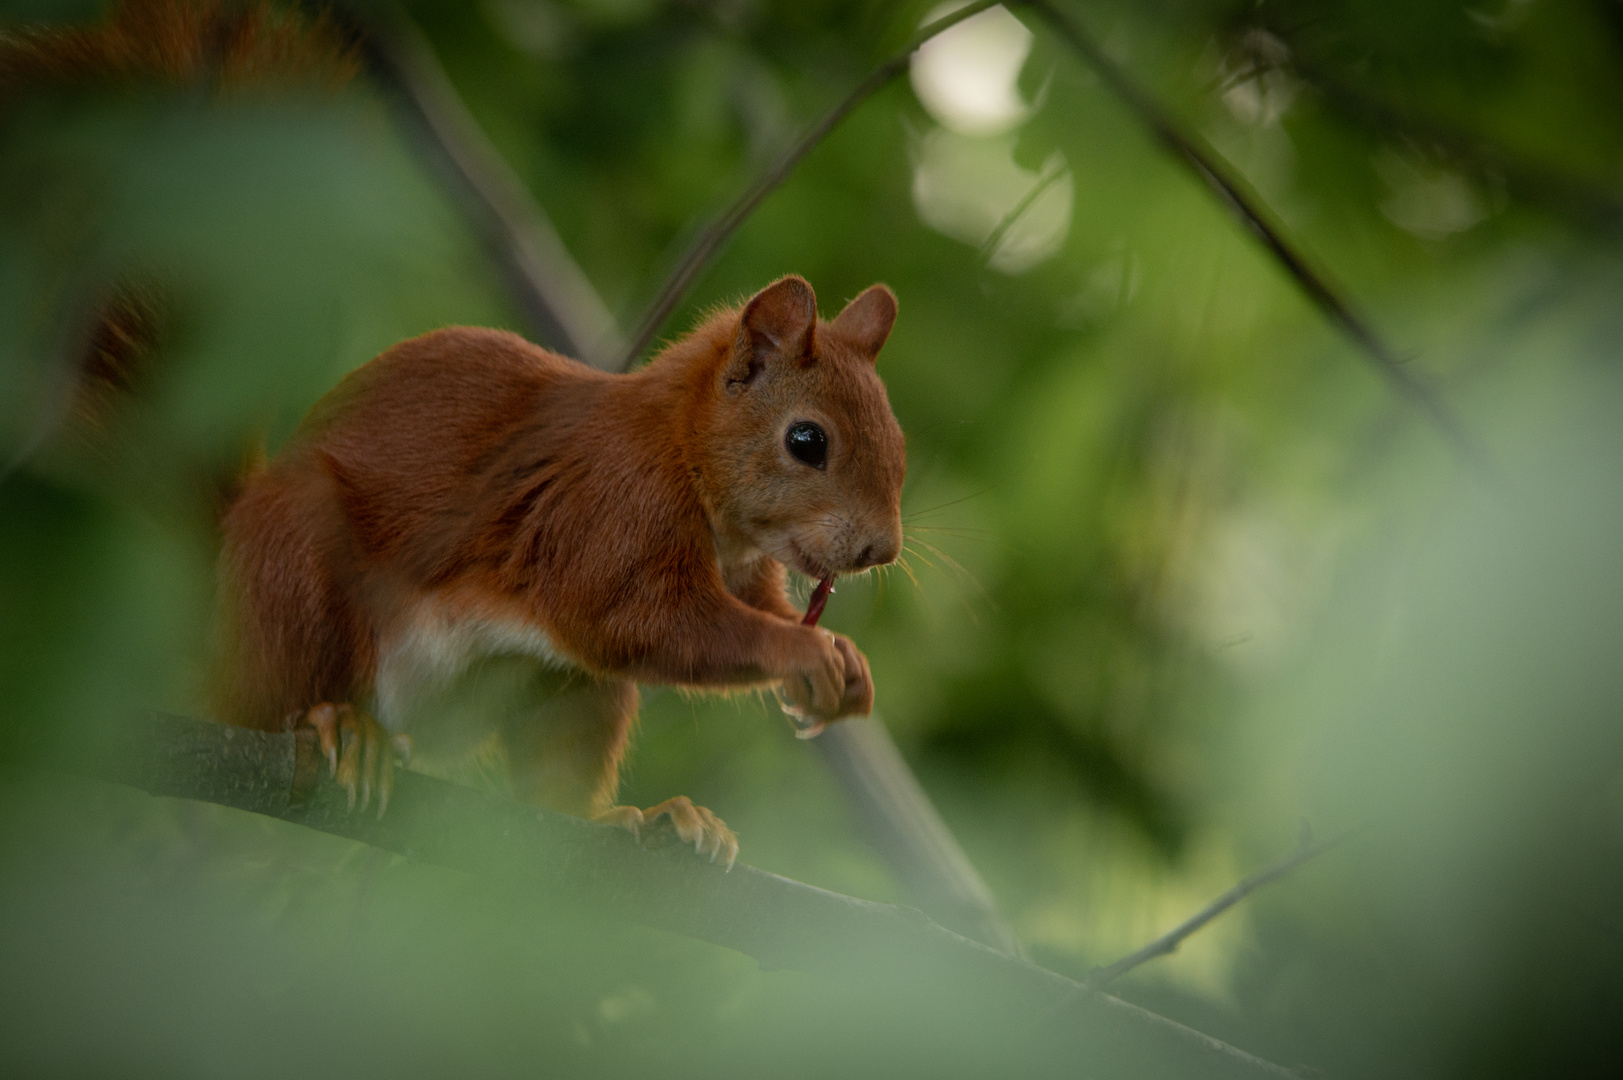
<point x="802" y="457"/>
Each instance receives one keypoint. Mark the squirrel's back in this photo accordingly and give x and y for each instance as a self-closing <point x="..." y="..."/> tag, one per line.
<point x="432" y="438"/>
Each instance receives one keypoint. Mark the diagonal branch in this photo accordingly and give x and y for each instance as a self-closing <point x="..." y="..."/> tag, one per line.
<point x="1168" y="943"/>
<point x="1248" y="207"/>
<point x="558" y="303"/>
<point x="708" y="242"/>
<point x="1538" y="183"/>
<point x="897" y="818"/>
<point x="781" y="922"/>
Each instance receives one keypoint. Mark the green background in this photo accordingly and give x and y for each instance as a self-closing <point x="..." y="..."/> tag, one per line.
<point x="1183" y="574"/>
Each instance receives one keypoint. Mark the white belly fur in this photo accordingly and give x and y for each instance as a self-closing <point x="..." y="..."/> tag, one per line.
<point x="439" y="642"/>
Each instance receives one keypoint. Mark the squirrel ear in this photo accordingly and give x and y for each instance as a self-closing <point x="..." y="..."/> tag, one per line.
<point x="778" y="322"/>
<point x="866" y="321"/>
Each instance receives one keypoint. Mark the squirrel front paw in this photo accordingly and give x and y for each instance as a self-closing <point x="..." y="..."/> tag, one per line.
<point x="814" y="685"/>
<point x="695" y="825"/>
<point x="360" y="752"/>
<point x="858" y="697"/>
<point x="837" y="684"/>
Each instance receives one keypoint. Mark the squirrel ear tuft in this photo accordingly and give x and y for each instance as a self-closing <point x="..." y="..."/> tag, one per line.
<point x="866" y="321"/>
<point x="779" y="321"/>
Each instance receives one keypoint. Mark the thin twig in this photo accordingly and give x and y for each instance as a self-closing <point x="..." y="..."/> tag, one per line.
<point x="1254" y="214"/>
<point x="708" y="242"/>
<point x="1168" y="943"/>
<point x="1047" y="180"/>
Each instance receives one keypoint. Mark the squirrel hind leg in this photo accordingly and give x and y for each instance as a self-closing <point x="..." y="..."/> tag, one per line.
<point x="566" y="753"/>
<point x="566" y="756"/>
<point x="696" y="825"/>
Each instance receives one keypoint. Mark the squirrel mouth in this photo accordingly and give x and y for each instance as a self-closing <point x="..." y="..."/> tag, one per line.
<point x="806" y="564"/>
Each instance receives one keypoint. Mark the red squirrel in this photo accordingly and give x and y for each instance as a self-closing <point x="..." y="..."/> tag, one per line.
<point x="469" y="494"/>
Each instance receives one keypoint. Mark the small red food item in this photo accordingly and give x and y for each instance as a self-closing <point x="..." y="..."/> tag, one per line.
<point x="819" y="597"/>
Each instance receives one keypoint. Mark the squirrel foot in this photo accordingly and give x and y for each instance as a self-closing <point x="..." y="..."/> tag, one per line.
<point x="695" y="825"/>
<point x="360" y="752"/>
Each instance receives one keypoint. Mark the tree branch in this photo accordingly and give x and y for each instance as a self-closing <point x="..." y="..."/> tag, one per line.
<point x="780" y="922"/>
<point x="896" y="817"/>
<point x="1537" y="183"/>
<point x="708" y="242"/>
<point x="560" y="305"/>
<point x="1250" y="210"/>
<point x="1168" y="943"/>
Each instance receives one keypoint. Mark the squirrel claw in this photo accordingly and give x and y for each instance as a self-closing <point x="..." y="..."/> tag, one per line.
<point x="360" y="752"/>
<point x="628" y="818"/>
<point x="324" y="719"/>
<point x="694" y="825"/>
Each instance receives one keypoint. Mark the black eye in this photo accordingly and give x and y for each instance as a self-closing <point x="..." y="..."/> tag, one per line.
<point x="808" y="443"/>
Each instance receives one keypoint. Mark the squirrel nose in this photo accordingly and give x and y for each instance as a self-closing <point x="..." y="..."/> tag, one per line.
<point x="877" y="555"/>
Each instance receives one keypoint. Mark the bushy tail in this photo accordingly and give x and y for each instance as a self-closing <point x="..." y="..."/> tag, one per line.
<point x="120" y="352"/>
<point x="222" y="47"/>
<point x="96" y="418"/>
<point x="217" y="44"/>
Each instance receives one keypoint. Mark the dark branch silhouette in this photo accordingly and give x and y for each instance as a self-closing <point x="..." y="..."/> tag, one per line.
<point x="1254" y="214"/>
<point x="1536" y="183"/>
<point x="708" y="242"/>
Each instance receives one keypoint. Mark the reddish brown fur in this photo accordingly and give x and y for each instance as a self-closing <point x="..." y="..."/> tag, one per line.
<point x="640" y="522"/>
<point x="225" y="45"/>
<point x="122" y="346"/>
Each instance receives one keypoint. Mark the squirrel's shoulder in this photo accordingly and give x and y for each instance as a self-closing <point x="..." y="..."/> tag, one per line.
<point x="459" y="351"/>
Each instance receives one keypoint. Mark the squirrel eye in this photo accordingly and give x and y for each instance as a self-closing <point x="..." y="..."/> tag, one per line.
<point x="808" y="443"/>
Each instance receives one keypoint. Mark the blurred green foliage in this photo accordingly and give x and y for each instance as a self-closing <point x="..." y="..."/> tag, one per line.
<point x="1182" y="572"/>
